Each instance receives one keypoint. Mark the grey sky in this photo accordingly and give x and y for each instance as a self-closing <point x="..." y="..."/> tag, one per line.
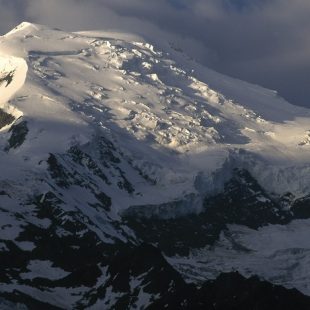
<point x="262" y="41"/>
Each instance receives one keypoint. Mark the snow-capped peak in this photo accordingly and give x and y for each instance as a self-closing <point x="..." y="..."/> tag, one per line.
<point x="25" y="28"/>
<point x="155" y="103"/>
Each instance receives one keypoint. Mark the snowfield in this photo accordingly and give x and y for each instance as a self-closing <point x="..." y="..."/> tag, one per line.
<point x="157" y="105"/>
<point x="183" y="117"/>
<point x="170" y="131"/>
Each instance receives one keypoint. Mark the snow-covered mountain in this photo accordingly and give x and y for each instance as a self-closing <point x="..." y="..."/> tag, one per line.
<point x="108" y="142"/>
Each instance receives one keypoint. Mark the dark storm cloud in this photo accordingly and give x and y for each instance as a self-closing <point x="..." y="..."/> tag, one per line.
<point x="262" y="41"/>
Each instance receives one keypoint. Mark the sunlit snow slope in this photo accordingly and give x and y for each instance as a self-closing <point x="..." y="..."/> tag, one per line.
<point x="106" y="122"/>
<point x="164" y="110"/>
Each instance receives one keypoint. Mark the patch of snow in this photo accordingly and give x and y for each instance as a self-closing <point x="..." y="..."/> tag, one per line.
<point x="43" y="269"/>
<point x="276" y="253"/>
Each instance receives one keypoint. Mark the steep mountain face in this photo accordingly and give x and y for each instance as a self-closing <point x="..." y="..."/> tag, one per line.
<point x="109" y="144"/>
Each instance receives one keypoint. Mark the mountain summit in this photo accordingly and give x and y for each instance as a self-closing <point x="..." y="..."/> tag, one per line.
<point x="109" y="142"/>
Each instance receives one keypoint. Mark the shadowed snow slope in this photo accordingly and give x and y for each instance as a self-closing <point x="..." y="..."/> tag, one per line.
<point x="108" y="126"/>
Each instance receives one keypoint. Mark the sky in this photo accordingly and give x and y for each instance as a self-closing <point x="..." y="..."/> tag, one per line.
<point x="265" y="42"/>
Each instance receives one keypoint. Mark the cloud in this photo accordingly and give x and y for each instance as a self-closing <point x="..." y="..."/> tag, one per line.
<point x="262" y="41"/>
<point x="8" y="15"/>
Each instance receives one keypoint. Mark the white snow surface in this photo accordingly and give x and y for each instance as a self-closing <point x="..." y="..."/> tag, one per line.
<point x="43" y="269"/>
<point x="173" y="117"/>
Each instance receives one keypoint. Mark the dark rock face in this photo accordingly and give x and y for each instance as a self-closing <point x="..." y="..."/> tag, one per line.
<point x="18" y="135"/>
<point x="90" y="166"/>
<point x="143" y="270"/>
<point x="20" y="301"/>
<point x="62" y="238"/>
<point x="243" y="201"/>
<point x="7" y="78"/>
<point x="5" y="119"/>
<point x="136" y="273"/>
<point x="58" y="172"/>
<point x="301" y="208"/>
<point x="177" y="236"/>
<point x="231" y="291"/>
<point x="140" y="278"/>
